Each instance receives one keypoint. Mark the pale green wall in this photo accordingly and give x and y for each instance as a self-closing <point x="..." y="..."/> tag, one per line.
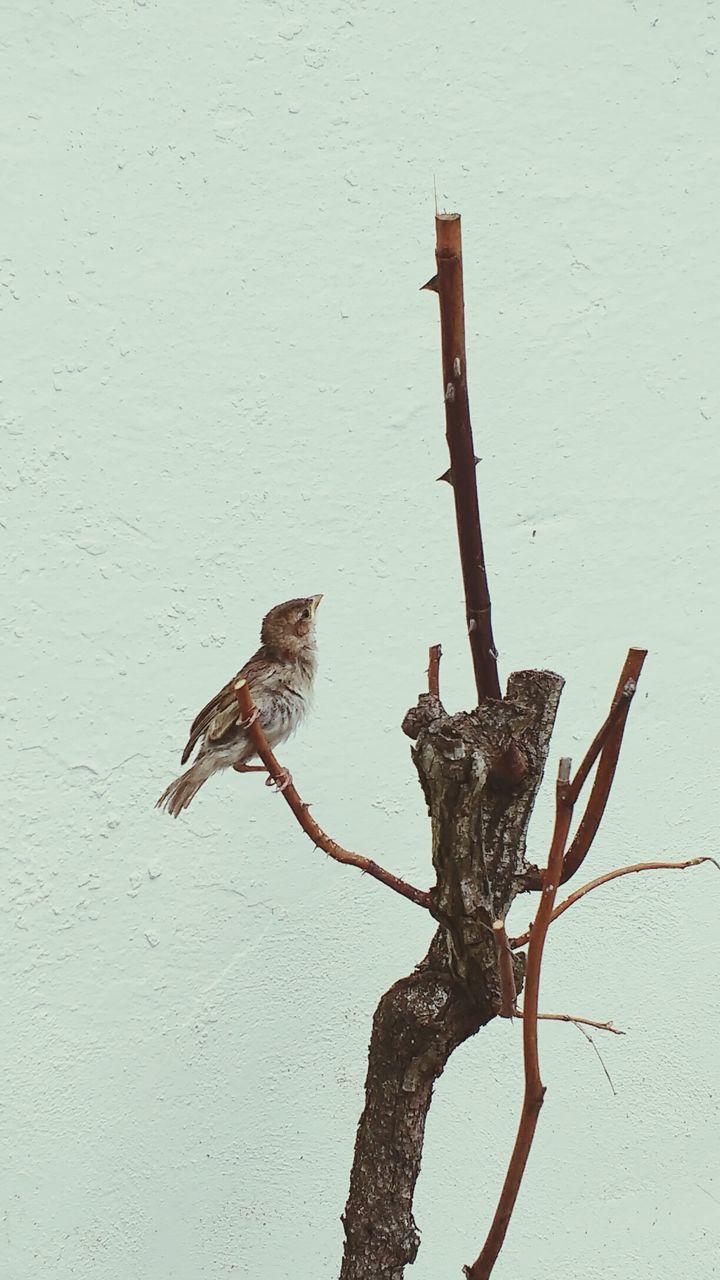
<point x="221" y="387"/>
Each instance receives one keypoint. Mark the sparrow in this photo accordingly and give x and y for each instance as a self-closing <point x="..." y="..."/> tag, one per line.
<point x="280" y="677"/>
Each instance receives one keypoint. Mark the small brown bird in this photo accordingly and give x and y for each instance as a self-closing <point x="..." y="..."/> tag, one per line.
<point x="280" y="676"/>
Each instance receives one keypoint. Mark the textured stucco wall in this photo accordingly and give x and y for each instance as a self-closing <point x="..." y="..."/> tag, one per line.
<point x="221" y="387"/>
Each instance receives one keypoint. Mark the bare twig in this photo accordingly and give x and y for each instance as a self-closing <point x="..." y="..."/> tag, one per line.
<point x="600" y="791"/>
<point x="605" y="745"/>
<point x="302" y="812"/>
<point x="508" y="991"/>
<point x="568" y="1017"/>
<point x="448" y="284"/>
<point x="534" y="1088"/>
<point x="434" y="656"/>
<point x="618" y="709"/>
<point x="524" y="938"/>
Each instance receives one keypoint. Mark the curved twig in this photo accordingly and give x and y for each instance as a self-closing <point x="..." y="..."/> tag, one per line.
<point x="609" y="739"/>
<point x="524" y="938"/>
<point x="302" y="811"/>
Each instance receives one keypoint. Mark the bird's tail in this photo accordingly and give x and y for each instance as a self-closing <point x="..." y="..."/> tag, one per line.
<point x="178" y="795"/>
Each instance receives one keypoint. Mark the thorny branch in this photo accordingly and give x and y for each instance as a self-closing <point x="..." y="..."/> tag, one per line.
<point x="302" y="811"/>
<point x="448" y="284"/>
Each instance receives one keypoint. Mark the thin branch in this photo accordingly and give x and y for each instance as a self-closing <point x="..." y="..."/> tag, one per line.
<point x="302" y="812"/>
<point x="618" y="709"/>
<point x="524" y="938"/>
<point x="534" y="1088"/>
<point x="508" y="990"/>
<point x="434" y="656"/>
<point x="595" y="808"/>
<point x="569" y="1017"/>
<point x="449" y="286"/>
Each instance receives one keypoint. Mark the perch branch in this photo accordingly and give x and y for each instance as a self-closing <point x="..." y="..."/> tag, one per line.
<point x="524" y="938"/>
<point x="435" y="654"/>
<point x="448" y="284"/>
<point x="302" y="812"/>
<point x="534" y="1088"/>
<point x="508" y="992"/>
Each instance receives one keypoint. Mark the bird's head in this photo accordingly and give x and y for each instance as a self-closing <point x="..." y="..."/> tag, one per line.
<point x="289" y="628"/>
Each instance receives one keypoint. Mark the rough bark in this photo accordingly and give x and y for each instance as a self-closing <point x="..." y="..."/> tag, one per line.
<point x="479" y="835"/>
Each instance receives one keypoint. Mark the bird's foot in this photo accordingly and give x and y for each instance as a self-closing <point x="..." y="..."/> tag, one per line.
<point x="246" y="724"/>
<point x="249" y="768"/>
<point x="282" y="781"/>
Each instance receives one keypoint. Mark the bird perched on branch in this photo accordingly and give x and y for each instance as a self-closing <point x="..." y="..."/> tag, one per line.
<point x="280" y="677"/>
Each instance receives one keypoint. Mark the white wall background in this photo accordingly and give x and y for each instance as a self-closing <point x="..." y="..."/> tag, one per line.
<point x="221" y="388"/>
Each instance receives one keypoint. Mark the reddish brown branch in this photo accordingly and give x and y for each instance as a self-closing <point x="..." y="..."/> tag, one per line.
<point x="534" y="1088"/>
<point x="524" y="938"/>
<point x="508" y="991"/>
<point x="302" y="812"/>
<point x="449" y="286"/>
<point x="607" y="764"/>
<point x="618" y="710"/>
<point x="435" y="654"/>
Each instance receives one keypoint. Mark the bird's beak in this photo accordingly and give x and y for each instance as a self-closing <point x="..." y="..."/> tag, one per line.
<point x="315" y="602"/>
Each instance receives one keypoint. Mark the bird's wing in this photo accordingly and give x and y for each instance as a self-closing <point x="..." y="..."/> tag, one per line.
<point x="219" y="718"/>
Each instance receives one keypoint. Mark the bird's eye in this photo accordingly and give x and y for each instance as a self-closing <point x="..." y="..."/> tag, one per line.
<point x="305" y="613"/>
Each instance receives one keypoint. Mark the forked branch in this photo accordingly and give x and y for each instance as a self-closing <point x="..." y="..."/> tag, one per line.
<point x="607" y="744"/>
<point x="302" y="810"/>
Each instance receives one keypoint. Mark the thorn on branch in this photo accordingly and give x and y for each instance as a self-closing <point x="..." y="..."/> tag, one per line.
<point x="448" y="477"/>
<point x="448" y="282"/>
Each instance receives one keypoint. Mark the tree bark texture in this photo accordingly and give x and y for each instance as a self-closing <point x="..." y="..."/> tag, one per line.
<point x="479" y="832"/>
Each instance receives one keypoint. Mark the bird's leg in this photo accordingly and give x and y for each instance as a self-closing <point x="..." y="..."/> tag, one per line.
<point x="282" y="782"/>
<point x="250" y="768"/>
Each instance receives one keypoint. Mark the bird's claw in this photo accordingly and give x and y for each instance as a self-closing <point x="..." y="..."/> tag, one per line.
<point x="282" y="781"/>
<point x="247" y="724"/>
